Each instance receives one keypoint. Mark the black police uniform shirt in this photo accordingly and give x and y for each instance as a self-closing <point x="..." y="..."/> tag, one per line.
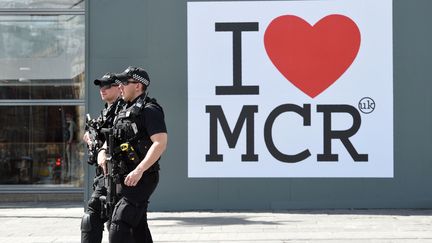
<point x="149" y="122"/>
<point x="106" y="119"/>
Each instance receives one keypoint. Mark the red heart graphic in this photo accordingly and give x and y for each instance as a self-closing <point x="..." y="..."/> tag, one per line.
<point x="312" y="57"/>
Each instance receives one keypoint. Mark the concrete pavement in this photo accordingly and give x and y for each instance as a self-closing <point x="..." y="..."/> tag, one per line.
<point x="42" y="223"/>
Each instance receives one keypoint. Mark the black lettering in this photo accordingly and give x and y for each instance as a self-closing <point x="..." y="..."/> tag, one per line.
<point x="246" y="116"/>
<point x="302" y="111"/>
<point x="343" y="136"/>
<point x="237" y="88"/>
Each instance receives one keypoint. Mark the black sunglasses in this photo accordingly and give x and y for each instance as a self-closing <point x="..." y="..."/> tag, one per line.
<point x="126" y="82"/>
<point x="107" y="85"/>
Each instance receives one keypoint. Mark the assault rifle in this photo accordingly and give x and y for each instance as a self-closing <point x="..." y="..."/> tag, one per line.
<point x="116" y="160"/>
<point x="108" y="202"/>
<point x="93" y="129"/>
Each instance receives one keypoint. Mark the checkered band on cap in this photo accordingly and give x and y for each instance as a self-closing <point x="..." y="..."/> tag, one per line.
<point x="117" y="80"/>
<point x="112" y="78"/>
<point x="140" y="79"/>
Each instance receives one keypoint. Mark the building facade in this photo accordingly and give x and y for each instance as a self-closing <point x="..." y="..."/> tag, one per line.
<point x="44" y="91"/>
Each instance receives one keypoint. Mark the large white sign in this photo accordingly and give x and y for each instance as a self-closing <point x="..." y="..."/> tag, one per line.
<point x="290" y="89"/>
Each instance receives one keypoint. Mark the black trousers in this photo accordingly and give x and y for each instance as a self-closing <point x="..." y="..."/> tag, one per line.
<point x="93" y="230"/>
<point x="129" y="219"/>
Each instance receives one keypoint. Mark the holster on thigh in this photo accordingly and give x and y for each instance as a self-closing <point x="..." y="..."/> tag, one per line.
<point x="128" y="212"/>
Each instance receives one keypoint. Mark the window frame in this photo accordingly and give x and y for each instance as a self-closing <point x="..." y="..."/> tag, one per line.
<point x="47" y="188"/>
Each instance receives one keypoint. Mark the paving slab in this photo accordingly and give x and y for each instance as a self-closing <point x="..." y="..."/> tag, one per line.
<point x="43" y="223"/>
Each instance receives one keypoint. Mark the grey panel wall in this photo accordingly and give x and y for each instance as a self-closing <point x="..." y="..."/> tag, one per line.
<point x="152" y="34"/>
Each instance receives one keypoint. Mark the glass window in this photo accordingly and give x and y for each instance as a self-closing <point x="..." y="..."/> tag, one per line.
<point x="25" y="4"/>
<point x="41" y="57"/>
<point x="41" y="145"/>
<point x="42" y="95"/>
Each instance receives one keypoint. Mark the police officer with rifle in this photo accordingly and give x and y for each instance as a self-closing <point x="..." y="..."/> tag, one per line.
<point x="139" y="139"/>
<point x="98" y="208"/>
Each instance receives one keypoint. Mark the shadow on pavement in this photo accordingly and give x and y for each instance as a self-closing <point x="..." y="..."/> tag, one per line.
<point x="213" y="221"/>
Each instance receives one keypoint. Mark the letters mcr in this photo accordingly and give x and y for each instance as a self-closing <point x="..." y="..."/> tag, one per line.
<point x="247" y="115"/>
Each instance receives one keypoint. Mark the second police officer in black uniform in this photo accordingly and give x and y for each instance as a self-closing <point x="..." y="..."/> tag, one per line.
<point x="140" y="129"/>
<point x="92" y="223"/>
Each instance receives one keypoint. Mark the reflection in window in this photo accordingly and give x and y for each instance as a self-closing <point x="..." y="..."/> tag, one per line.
<point x="25" y="4"/>
<point x="41" y="95"/>
<point x="41" y="47"/>
<point x="40" y="36"/>
<point x="43" y="89"/>
<point x="41" y="145"/>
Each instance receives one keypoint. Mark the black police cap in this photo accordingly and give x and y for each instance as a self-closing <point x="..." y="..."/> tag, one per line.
<point x="108" y="78"/>
<point x="136" y="73"/>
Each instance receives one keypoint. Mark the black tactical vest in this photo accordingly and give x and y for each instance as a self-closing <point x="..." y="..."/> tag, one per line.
<point x="126" y="129"/>
<point x="106" y="119"/>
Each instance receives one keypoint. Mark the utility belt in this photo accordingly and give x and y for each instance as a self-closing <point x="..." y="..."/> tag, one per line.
<point x="128" y="158"/>
<point x="134" y="154"/>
